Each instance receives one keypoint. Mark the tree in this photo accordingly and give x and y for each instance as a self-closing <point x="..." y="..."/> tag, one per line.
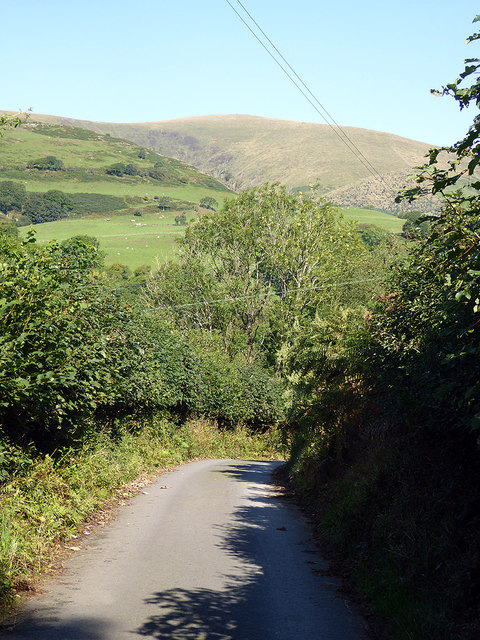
<point x="164" y="202"/>
<point x="463" y="156"/>
<point x="40" y="209"/>
<point x="117" y="169"/>
<point x="62" y="199"/>
<point x="181" y="219"/>
<point x="209" y="203"/>
<point x="48" y="163"/>
<point x="428" y="327"/>
<point x="266" y="256"/>
<point x="131" y="170"/>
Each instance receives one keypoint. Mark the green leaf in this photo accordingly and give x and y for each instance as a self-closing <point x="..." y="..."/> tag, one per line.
<point x="475" y="423"/>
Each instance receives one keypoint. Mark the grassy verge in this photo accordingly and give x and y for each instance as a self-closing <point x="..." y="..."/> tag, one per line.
<point x="45" y="502"/>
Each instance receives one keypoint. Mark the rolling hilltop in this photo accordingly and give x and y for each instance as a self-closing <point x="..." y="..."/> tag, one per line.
<point x="243" y="151"/>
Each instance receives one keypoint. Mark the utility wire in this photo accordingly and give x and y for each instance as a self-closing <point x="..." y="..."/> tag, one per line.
<point x="343" y="132"/>
<point x="262" y="295"/>
<point x="313" y="100"/>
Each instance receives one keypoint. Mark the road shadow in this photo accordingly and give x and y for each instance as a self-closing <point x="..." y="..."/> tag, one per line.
<point x="250" y="470"/>
<point x="265" y="600"/>
<point x="199" y="614"/>
<point x="49" y="628"/>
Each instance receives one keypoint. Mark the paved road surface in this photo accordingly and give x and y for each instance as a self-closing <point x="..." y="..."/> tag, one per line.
<point x="215" y="556"/>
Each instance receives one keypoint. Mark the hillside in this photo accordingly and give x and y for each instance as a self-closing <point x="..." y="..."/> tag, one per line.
<point x="95" y="163"/>
<point x="244" y="151"/>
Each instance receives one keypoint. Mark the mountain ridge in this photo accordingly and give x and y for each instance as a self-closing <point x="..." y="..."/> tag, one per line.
<point x="244" y="151"/>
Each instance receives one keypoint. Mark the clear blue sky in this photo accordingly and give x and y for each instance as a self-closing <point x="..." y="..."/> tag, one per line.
<point x="370" y="63"/>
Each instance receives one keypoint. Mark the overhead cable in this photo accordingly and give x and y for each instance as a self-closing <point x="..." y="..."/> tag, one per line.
<point x="305" y="91"/>
<point x="263" y="295"/>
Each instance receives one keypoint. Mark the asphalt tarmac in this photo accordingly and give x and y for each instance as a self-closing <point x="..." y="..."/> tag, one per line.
<point x="207" y="552"/>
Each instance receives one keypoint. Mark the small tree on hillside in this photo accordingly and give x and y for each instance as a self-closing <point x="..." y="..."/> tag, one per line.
<point x="209" y="203"/>
<point x="48" y="163"/>
<point x="117" y="169"/>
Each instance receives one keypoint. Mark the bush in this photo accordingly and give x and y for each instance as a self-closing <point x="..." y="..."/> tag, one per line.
<point x="40" y="208"/>
<point x="48" y="163"/>
<point x="8" y="228"/>
<point x="12" y="196"/>
<point x="117" y="169"/>
<point x="234" y="391"/>
<point x="71" y="351"/>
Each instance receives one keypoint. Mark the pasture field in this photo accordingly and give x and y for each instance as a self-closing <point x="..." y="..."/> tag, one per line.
<point x="132" y="241"/>
<point x="135" y="241"/>
<point x="87" y="156"/>
<point x="389" y="223"/>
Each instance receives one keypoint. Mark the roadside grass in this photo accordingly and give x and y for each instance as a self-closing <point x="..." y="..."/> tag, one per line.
<point x="46" y="502"/>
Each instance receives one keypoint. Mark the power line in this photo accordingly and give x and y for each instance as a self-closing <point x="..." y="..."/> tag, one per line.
<point x="314" y="101"/>
<point x="264" y="294"/>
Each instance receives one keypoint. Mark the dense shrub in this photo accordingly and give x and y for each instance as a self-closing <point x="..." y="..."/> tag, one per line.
<point x="235" y="391"/>
<point x="12" y="196"/>
<point x="39" y="208"/>
<point x="69" y="348"/>
<point x="8" y="228"/>
<point x="47" y="163"/>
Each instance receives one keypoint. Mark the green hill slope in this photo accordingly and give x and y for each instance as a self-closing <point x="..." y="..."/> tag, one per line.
<point x="88" y="158"/>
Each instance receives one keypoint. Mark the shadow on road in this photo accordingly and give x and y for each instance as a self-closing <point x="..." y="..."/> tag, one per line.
<point x="49" y="628"/>
<point x="250" y="470"/>
<point x="267" y="599"/>
<point x="235" y="612"/>
<point x="199" y="614"/>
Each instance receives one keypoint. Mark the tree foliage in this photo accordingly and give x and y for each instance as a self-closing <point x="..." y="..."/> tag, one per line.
<point x="209" y="203"/>
<point x="71" y="349"/>
<point x="261" y="264"/>
<point x="10" y="121"/>
<point x="388" y="411"/>
<point x="47" y="207"/>
<point x="432" y="317"/>
<point x="12" y="196"/>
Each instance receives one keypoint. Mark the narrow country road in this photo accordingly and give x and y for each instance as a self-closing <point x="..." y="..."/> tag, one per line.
<point x="215" y="555"/>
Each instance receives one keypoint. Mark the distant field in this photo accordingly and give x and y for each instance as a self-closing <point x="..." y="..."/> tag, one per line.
<point x="136" y="243"/>
<point x="368" y="216"/>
